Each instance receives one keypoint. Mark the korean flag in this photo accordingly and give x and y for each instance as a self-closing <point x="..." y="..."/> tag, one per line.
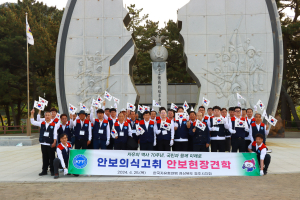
<point x="83" y="107"/>
<point x="44" y="101"/>
<point x="130" y="107"/>
<point x="100" y="99"/>
<point x="114" y="132"/>
<point x="95" y="104"/>
<point x="155" y="104"/>
<point x="116" y="100"/>
<point x="39" y="105"/>
<point x="179" y="116"/>
<point x="240" y="96"/>
<point x="239" y="123"/>
<point x="72" y="109"/>
<point x="272" y="120"/>
<point x="205" y="101"/>
<point x="174" y="107"/>
<point x="186" y="106"/>
<point x="200" y="125"/>
<point x="139" y="130"/>
<point x="141" y="109"/>
<point x="166" y="126"/>
<point x="260" y="105"/>
<point x="107" y="96"/>
<point x="146" y="108"/>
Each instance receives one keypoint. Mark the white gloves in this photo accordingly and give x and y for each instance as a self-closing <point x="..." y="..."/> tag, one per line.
<point x="171" y="142"/>
<point x="176" y="125"/>
<point x="239" y="104"/>
<point x="233" y="131"/>
<point x="154" y="143"/>
<point x="213" y="129"/>
<point x="91" y="109"/>
<point x="255" y="108"/>
<point x="107" y="142"/>
<point x="158" y="132"/>
<point x="66" y="171"/>
<point x="116" y="105"/>
<point x="262" y="172"/>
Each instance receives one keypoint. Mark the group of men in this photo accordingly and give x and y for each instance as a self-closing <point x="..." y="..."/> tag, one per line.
<point x="106" y="128"/>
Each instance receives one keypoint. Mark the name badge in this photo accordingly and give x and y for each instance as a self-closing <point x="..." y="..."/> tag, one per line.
<point x="164" y="132"/>
<point x="46" y="134"/>
<point x="82" y="132"/>
<point x="217" y="128"/>
<point x="133" y="131"/>
<point x="100" y="131"/>
<point x="121" y="134"/>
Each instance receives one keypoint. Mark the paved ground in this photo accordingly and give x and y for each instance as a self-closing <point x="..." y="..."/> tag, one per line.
<point x="19" y="168"/>
<point x="282" y="186"/>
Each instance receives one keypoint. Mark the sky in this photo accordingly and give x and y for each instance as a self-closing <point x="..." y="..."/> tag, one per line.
<point x="155" y="8"/>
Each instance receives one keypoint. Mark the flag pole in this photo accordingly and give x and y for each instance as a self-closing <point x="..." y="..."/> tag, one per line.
<point x="28" y="109"/>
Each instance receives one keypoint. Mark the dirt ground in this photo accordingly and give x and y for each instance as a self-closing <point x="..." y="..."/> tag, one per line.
<point x="282" y="186"/>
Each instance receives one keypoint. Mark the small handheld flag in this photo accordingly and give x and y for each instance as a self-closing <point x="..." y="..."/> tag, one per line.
<point x="200" y="125"/>
<point x="186" y="106"/>
<point x="166" y="126"/>
<point x="44" y="101"/>
<point x="114" y="132"/>
<point x="72" y="109"/>
<point x="240" y="96"/>
<point x="264" y="115"/>
<point x="116" y="100"/>
<point x="57" y="116"/>
<point x="174" y="107"/>
<point x="139" y="130"/>
<point x="205" y="101"/>
<point x="95" y="104"/>
<point x="239" y="123"/>
<point x="141" y="109"/>
<point x="260" y="104"/>
<point x="100" y="99"/>
<point x="179" y="116"/>
<point x="217" y="120"/>
<point x="146" y="108"/>
<point x="155" y="104"/>
<point x="107" y="96"/>
<point x="130" y="107"/>
<point x="39" y="105"/>
<point x="83" y="107"/>
<point x="272" y="120"/>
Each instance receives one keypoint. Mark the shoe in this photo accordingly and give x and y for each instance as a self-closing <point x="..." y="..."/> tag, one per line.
<point x="56" y="176"/>
<point x="42" y="173"/>
<point x="76" y="175"/>
<point x="265" y="172"/>
<point x="269" y="151"/>
<point x="52" y="173"/>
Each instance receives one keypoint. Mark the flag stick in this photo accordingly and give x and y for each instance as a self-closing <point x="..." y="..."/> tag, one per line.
<point x="28" y="116"/>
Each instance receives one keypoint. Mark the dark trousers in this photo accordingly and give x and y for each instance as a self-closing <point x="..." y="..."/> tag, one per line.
<point x="267" y="161"/>
<point x="57" y="165"/>
<point x="91" y="145"/>
<point x="120" y="146"/>
<point x="146" y="146"/>
<point x="180" y="146"/>
<point x="228" y="144"/>
<point x="73" y="141"/>
<point x="80" y="144"/>
<point x="111" y="144"/>
<point x="218" y="145"/>
<point x="163" y="145"/>
<point x="238" y="144"/>
<point x="190" y="143"/>
<point x="99" y="144"/>
<point x="48" y="155"/>
<point x="199" y="147"/>
<point x="247" y="143"/>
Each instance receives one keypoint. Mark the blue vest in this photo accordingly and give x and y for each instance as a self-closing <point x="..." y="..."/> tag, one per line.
<point x="261" y="131"/>
<point x="161" y="136"/>
<point x="65" y="154"/>
<point x="258" y="151"/>
<point x="199" y="137"/>
<point x="96" y="134"/>
<point x="148" y="135"/>
<point x="182" y="131"/>
<point x="85" y="128"/>
<point x="122" y="139"/>
<point x="49" y="139"/>
<point x="240" y="132"/>
<point x="67" y="131"/>
<point x="222" y="130"/>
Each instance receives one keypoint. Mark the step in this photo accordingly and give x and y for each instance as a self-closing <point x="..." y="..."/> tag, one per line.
<point x="14" y="141"/>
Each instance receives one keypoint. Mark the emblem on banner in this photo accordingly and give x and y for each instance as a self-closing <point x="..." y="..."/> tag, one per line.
<point x="249" y="165"/>
<point x="79" y="161"/>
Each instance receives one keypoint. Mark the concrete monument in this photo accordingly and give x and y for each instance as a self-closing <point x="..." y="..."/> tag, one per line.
<point x="233" y="46"/>
<point x="159" y="55"/>
<point x="95" y="53"/>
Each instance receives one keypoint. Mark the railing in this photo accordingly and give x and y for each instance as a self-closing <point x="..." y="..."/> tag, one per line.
<point x="21" y="128"/>
<point x="290" y="124"/>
